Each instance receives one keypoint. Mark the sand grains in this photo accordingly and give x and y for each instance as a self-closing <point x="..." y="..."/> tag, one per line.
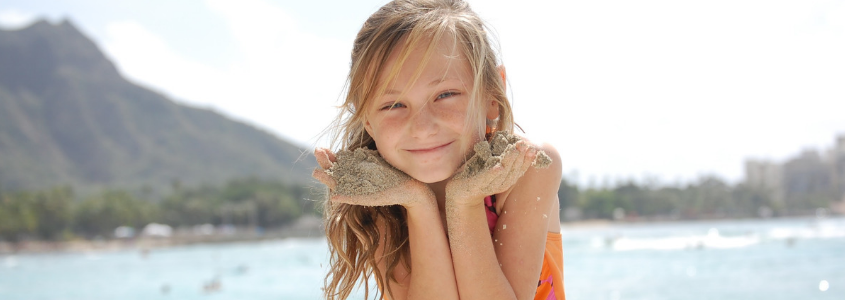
<point x="363" y="172"/>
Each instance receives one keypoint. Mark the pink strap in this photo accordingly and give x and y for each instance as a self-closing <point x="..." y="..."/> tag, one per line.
<point x="492" y="217"/>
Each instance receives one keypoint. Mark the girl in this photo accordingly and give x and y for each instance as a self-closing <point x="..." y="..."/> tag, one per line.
<point x="423" y="80"/>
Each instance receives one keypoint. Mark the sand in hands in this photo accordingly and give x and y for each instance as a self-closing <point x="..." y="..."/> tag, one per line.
<point x="489" y="154"/>
<point x="363" y="172"/>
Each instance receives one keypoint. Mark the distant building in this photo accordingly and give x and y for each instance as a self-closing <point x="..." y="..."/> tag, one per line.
<point x="765" y="175"/>
<point x="838" y="156"/>
<point x="809" y="178"/>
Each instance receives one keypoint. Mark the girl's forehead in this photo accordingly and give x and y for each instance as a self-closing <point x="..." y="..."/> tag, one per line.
<point x="427" y="61"/>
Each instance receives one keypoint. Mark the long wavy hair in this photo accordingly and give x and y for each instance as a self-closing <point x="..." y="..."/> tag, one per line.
<point x="351" y="230"/>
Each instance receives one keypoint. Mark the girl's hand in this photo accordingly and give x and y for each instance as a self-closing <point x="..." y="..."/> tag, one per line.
<point x="493" y="168"/>
<point x="362" y="177"/>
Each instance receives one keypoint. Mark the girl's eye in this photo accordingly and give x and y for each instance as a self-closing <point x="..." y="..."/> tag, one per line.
<point x="446" y="94"/>
<point x="392" y="106"/>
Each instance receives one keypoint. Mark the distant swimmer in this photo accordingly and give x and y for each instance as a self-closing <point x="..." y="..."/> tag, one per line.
<point x="241" y="269"/>
<point x="212" y="286"/>
<point x="790" y="241"/>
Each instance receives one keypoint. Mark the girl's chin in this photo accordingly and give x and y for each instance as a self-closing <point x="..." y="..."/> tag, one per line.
<point x="432" y="176"/>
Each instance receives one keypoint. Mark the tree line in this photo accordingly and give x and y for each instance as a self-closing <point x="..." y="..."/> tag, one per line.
<point x="707" y="198"/>
<point x="58" y="214"/>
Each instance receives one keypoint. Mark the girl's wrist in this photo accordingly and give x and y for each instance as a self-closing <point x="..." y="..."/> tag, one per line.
<point x="423" y="210"/>
<point x="422" y="207"/>
<point x="463" y="202"/>
<point x="457" y="197"/>
<point x="426" y="200"/>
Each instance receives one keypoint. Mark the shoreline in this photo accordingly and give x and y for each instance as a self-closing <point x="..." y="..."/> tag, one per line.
<point x="603" y="223"/>
<point x="305" y="228"/>
<point x="300" y="230"/>
<point x="142" y="244"/>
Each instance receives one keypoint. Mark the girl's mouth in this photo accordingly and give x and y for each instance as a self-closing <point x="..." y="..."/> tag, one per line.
<point x="430" y="150"/>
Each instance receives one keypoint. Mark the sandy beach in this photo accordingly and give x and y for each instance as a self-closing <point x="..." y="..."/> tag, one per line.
<point x="304" y="228"/>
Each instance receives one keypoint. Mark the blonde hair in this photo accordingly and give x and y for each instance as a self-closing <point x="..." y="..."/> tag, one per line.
<point x="352" y="230"/>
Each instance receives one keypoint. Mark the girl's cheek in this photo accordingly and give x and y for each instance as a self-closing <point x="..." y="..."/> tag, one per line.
<point x="454" y="114"/>
<point x="388" y="129"/>
<point x="448" y="111"/>
<point x="390" y="122"/>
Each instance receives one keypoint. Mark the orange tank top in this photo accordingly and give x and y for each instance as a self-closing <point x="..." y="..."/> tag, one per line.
<point x="550" y="285"/>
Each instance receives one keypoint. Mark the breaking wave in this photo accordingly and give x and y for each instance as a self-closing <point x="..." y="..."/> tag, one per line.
<point x="720" y="236"/>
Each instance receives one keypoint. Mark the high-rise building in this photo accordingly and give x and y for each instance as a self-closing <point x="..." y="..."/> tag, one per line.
<point x="765" y="175"/>
<point x="839" y="166"/>
<point x="806" y="179"/>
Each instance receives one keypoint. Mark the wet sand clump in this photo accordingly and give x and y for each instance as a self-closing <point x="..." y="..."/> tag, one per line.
<point x="542" y="160"/>
<point x="489" y="154"/>
<point x="363" y="172"/>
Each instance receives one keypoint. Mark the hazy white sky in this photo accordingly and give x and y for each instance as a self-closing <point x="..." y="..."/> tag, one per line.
<point x="670" y="89"/>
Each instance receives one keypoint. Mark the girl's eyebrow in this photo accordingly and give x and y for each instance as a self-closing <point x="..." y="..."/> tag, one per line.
<point x="430" y="84"/>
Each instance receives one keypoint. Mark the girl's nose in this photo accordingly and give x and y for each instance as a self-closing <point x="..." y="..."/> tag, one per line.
<point x="424" y="122"/>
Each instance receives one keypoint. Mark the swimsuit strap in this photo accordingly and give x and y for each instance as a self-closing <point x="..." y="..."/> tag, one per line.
<point x="492" y="216"/>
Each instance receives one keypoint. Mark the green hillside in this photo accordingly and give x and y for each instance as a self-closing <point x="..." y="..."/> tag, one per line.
<point x="67" y="117"/>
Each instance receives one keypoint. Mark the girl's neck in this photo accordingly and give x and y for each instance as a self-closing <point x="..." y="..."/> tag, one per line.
<point x="439" y="189"/>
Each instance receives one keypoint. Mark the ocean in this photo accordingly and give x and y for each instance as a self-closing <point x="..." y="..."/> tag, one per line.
<point x="797" y="258"/>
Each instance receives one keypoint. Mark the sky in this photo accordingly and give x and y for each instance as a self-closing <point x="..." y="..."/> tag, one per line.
<point x="649" y="90"/>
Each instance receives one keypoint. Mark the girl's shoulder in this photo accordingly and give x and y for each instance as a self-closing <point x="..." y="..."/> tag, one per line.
<point x="536" y="181"/>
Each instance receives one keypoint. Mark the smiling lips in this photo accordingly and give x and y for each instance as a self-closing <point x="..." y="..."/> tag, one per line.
<point x="429" y="150"/>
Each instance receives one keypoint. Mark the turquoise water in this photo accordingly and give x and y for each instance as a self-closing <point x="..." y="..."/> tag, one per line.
<point x="761" y="259"/>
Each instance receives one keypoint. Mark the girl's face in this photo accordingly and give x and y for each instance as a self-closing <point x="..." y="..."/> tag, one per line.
<point x="419" y="127"/>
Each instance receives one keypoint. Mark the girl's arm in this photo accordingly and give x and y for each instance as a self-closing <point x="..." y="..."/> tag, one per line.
<point x="432" y="276"/>
<point x="506" y="265"/>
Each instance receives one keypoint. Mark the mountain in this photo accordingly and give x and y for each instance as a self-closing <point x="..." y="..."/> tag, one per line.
<point x="67" y="116"/>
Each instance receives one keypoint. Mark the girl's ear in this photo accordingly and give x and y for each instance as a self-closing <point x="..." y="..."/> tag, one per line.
<point x="493" y="107"/>
<point x="493" y="110"/>
<point x="368" y="127"/>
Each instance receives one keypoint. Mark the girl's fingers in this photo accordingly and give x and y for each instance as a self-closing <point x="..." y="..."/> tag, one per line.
<point x="493" y="178"/>
<point x="514" y="157"/>
<point x="324" y="177"/>
<point x="353" y="200"/>
<point x="501" y="176"/>
<point x="368" y="200"/>
<point x="325" y="158"/>
<point x="530" y="157"/>
<point x="521" y="165"/>
<point x="394" y="196"/>
<point x="517" y="164"/>
<point x="345" y="199"/>
<point x="511" y="155"/>
<point x="523" y="162"/>
<point x="330" y="154"/>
